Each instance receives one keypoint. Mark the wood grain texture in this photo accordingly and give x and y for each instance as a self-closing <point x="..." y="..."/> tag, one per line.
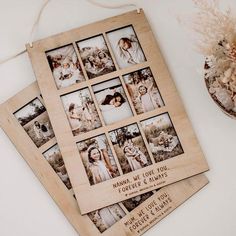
<point x="190" y="163"/>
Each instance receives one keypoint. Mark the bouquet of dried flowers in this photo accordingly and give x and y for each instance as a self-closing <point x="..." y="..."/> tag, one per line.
<point x="217" y="42"/>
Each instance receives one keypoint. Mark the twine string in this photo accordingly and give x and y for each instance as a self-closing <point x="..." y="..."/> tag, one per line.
<point x="36" y="22"/>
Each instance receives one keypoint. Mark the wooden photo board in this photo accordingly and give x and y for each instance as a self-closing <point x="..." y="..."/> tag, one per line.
<point x="25" y="120"/>
<point x="119" y="121"/>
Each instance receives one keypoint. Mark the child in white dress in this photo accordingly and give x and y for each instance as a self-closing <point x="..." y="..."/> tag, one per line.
<point x="97" y="167"/>
<point x="147" y="101"/>
<point x="74" y="117"/>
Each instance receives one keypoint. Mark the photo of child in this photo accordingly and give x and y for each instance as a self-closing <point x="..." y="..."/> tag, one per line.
<point x="65" y="66"/>
<point x="35" y="121"/>
<point x="162" y="138"/>
<point x="96" y="56"/>
<point x="143" y="91"/>
<point x="98" y="159"/>
<point x="132" y="203"/>
<point x="126" y="47"/>
<point x="112" y="101"/>
<point x="41" y="129"/>
<point x="130" y="148"/>
<point x="54" y="158"/>
<point x="106" y="217"/>
<point x="81" y="111"/>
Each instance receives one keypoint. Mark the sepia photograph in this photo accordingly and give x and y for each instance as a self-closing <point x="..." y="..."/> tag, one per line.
<point x="143" y="91"/>
<point x="35" y="121"/>
<point x="65" y="66"/>
<point x="96" y="57"/>
<point x="81" y="111"/>
<point x="106" y="217"/>
<point x="162" y="138"/>
<point x="132" y="203"/>
<point x="30" y="111"/>
<point x="130" y="148"/>
<point x="54" y="158"/>
<point x="126" y="47"/>
<point x="98" y="159"/>
<point x="112" y="101"/>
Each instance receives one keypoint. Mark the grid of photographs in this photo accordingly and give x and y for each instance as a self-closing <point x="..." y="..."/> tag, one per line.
<point x="115" y="122"/>
<point x="132" y="107"/>
<point x="124" y="150"/>
<point x="102" y="104"/>
<point x="97" y="157"/>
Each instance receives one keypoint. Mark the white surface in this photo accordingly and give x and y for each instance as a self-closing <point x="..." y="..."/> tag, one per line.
<point x="26" y="209"/>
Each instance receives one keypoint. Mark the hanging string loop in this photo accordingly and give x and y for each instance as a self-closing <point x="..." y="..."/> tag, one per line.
<point x="36" y="22"/>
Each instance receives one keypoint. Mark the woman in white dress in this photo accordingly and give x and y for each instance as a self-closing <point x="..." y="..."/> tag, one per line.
<point x="130" y="50"/>
<point x="97" y="167"/>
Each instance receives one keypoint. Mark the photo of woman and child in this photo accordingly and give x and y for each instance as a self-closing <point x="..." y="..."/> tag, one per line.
<point x="112" y="101"/>
<point x="96" y="56"/>
<point x="42" y="129"/>
<point x="65" y="66"/>
<point x="106" y="217"/>
<point x="143" y="91"/>
<point x="130" y="148"/>
<point x="35" y="121"/>
<point x="98" y="159"/>
<point x="126" y="47"/>
<point x="54" y="158"/>
<point x="162" y="138"/>
<point x="81" y="111"/>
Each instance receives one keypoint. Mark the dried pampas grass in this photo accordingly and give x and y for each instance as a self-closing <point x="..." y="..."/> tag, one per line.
<point x="212" y="25"/>
<point x="216" y="40"/>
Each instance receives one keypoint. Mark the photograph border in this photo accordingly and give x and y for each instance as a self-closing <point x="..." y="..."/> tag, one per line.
<point x="126" y="26"/>
<point x="155" y="79"/>
<point x="109" y="50"/>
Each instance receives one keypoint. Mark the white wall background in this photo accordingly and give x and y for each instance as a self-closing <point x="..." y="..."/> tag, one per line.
<point x="26" y="208"/>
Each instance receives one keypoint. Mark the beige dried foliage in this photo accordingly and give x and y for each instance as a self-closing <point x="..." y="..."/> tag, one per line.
<point x="212" y="25"/>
